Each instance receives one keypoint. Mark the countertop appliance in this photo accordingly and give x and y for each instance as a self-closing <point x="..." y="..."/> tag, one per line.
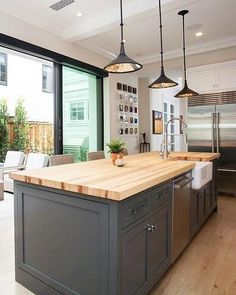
<point x="181" y="214"/>
<point x="212" y="128"/>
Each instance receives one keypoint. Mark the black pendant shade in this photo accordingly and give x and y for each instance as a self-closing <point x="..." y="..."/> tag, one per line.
<point x="122" y="64"/>
<point x="162" y="81"/>
<point x="186" y="91"/>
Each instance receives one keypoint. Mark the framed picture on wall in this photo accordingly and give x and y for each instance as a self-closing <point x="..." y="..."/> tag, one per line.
<point x="119" y="86"/>
<point x="157" y="122"/>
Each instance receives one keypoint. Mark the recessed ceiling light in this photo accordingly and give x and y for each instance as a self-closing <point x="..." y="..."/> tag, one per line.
<point x="199" y="34"/>
<point x="180" y="78"/>
<point x="124" y="40"/>
<point x="79" y="13"/>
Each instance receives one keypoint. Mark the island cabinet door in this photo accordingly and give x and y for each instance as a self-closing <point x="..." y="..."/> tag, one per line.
<point x="194" y="212"/>
<point x="146" y="252"/>
<point x="134" y="260"/>
<point x="159" y="243"/>
<point x="62" y="241"/>
<point x="201" y="206"/>
<point x="208" y="199"/>
<point x="197" y="211"/>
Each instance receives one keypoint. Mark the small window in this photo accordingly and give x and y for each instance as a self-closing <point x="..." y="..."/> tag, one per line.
<point x="78" y="111"/>
<point x="47" y="79"/>
<point x="3" y="69"/>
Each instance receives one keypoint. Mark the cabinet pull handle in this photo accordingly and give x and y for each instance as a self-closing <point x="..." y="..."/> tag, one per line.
<point x="151" y="227"/>
<point x="135" y="211"/>
<point x="162" y="196"/>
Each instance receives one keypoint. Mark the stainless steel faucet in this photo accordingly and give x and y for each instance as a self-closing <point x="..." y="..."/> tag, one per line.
<point x="164" y="152"/>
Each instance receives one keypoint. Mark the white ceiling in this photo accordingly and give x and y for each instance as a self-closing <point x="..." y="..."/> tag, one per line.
<point x="98" y="28"/>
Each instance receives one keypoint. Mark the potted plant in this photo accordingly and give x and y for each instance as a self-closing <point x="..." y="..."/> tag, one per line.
<point x="116" y="148"/>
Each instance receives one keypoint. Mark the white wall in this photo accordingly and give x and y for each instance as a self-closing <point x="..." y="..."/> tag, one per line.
<point x="24" y="80"/>
<point x="111" y="104"/>
<point x="19" y="29"/>
<point x="157" y="99"/>
<point x="144" y="108"/>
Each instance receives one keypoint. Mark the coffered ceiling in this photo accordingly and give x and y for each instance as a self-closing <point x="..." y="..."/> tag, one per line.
<point x="98" y="27"/>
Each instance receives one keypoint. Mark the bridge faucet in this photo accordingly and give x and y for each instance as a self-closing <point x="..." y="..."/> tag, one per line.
<point x="164" y="153"/>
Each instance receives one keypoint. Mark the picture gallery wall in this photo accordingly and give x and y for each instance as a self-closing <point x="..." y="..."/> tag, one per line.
<point x="127" y="106"/>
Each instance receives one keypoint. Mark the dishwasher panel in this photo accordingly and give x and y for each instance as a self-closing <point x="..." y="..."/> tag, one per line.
<point x="181" y="214"/>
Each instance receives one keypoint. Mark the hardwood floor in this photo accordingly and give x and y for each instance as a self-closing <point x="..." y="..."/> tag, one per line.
<point x="207" y="267"/>
<point x="8" y="286"/>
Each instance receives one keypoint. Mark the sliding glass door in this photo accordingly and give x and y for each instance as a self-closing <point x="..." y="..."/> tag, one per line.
<point x="82" y="113"/>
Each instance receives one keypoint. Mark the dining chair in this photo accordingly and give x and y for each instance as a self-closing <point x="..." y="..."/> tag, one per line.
<point x="95" y="156"/>
<point x="55" y="160"/>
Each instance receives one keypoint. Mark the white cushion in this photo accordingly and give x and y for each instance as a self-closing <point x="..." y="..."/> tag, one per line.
<point x="14" y="158"/>
<point x="36" y="161"/>
<point x="8" y="184"/>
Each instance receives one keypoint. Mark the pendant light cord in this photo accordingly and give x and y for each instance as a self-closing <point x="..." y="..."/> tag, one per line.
<point x="121" y="22"/>
<point x="184" y="50"/>
<point x="161" y="38"/>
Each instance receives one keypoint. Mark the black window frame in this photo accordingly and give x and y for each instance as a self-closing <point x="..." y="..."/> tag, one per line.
<point x="60" y="60"/>
<point x="4" y="83"/>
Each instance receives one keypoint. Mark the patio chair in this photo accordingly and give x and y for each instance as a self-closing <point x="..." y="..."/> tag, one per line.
<point x="95" y="155"/>
<point x="13" y="160"/>
<point x="60" y="160"/>
<point x="33" y="161"/>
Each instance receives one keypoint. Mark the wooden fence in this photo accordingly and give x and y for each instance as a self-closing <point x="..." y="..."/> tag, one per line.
<point x="40" y="136"/>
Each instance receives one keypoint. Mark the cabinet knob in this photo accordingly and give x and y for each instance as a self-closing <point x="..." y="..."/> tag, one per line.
<point x="151" y="227"/>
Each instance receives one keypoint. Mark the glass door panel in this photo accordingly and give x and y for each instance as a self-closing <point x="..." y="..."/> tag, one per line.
<point x="80" y="114"/>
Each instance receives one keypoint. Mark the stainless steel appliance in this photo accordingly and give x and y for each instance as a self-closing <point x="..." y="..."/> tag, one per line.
<point x="212" y="128"/>
<point x="181" y="214"/>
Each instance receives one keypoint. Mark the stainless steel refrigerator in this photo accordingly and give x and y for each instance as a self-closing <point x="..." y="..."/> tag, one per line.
<point x="212" y="128"/>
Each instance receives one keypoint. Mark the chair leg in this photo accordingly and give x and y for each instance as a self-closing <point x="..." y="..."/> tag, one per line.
<point x="1" y="191"/>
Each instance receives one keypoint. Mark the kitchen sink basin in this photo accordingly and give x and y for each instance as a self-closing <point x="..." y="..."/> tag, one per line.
<point x="202" y="174"/>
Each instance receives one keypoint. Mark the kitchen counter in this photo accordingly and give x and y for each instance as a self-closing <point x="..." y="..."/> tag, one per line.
<point x="102" y="179"/>
<point x="94" y="228"/>
<point x="194" y="156"/>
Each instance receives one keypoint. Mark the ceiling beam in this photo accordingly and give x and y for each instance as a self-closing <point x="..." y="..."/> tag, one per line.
<point x="169" y="55"/>
<point x="133" y="11"/>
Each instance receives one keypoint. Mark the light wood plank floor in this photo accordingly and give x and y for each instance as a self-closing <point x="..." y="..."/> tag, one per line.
<point x="207" y="267"/>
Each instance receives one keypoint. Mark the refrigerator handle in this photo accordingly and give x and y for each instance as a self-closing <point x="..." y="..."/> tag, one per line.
<point x="213" y="133"/>
<point x="217" y="132"/>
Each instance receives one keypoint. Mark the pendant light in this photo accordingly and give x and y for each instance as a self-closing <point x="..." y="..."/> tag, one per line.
<point x="186" y="91"/>
<point x="122" y="64"/>
<point x="162" y="81"/>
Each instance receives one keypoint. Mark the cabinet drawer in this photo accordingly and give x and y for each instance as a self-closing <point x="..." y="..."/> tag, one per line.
<point x="160" y="195"/>
<point x="133" y="210"/>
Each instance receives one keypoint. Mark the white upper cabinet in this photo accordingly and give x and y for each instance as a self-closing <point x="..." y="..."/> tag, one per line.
<point x="213" y="78"/>
<point x="226" y="78"/>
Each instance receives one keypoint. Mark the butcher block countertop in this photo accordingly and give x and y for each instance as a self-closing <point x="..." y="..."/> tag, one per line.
<point x="194" y="156"/>
<point x="102" y="179"/>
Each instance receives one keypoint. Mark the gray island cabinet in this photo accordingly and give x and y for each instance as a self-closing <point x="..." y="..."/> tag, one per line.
<point x="72" y="244"/>
<point x="95" y="229"/>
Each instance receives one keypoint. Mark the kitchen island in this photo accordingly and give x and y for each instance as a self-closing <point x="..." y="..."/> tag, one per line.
<point x="93" y="228"/>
